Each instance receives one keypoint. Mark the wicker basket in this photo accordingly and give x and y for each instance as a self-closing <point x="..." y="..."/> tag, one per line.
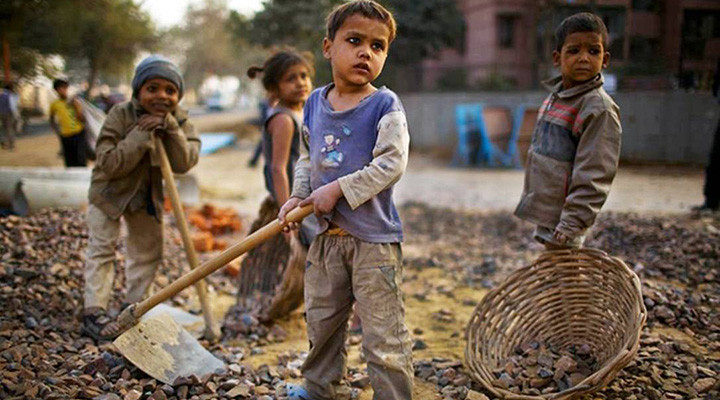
<point x="565" y="297"/>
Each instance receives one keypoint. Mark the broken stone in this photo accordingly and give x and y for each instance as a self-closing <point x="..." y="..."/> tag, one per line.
<point x="704" y="385"/>
<point x="239" y="391"/>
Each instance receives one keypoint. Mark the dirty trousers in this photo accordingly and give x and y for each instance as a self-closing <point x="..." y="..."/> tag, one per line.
<point x="340" y="270"/>
<point x="144" y="255"/>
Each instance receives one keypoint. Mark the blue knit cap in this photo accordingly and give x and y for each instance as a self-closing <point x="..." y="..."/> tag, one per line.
<point x="157" y="66"/>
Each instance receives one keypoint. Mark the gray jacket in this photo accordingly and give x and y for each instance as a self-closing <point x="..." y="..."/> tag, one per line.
<point x="125" y="173"/>
<point x="573" y="158"/>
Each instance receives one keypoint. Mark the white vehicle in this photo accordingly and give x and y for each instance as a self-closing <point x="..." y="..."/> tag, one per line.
<point x="219" y="100"/>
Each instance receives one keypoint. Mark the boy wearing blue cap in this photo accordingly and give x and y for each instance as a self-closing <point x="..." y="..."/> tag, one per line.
<point x="127" y="182"/>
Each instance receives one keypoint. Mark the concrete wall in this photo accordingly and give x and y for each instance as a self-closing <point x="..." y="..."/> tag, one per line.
<point x="673" y="127"/>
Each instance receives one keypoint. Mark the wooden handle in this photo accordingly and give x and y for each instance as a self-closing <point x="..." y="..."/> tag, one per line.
<point x="219" y="261"/>
<point x="212" y="331"/>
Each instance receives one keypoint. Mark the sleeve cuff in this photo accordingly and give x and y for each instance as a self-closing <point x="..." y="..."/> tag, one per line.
<point x="348" y="193"/>
<point x="569" y="231"/>
<point x="300" y="192"/>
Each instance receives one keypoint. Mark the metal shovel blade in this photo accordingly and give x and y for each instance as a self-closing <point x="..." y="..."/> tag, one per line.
<point x="165" y="351"/>
<point x="193" y="324"/>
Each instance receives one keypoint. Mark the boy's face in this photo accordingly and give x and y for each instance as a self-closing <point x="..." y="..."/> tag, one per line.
<point x="158" y="96"/>
<point x="294" y="85"/>
<point x="62" y="91"/>
<point x="581" y="58"/>
<point x="358" y="52"/>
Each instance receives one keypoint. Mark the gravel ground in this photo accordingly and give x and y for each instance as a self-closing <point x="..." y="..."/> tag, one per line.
<point x="452" y="259"/>
<point x="456" y="250"/>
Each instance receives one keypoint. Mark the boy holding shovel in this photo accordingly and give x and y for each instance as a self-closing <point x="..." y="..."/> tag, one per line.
<point x="356" y="144"/>
<point x="127" y="182"/>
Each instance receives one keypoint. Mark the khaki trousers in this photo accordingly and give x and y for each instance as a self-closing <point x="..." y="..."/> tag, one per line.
<point x="339" y="271"/>
<point x="144" y="255"/>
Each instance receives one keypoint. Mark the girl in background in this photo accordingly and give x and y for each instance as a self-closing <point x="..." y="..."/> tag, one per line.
<point x="277" y="266"/>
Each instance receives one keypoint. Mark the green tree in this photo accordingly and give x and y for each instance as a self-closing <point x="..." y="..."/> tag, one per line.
<point x="300" y="24"/>
<point x="105" y="34"/>
<point x="211" y="41"/>
<point x="22" y="47"/>
<point x="424" y="27"/>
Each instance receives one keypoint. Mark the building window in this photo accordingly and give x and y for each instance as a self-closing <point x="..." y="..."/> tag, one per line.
<point x="506" y="31"/>
<point x="699" y="26"/>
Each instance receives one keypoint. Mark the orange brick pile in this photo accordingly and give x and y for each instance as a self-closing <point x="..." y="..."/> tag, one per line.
<point x="213" y="222"/>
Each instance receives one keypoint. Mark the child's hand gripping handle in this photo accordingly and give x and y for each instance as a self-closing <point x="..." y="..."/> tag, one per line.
<point x="131" y="315"/>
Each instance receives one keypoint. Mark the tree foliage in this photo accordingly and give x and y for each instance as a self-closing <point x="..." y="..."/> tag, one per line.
<point x="212" y="41"/>
<point x="21" y="22"/>
<point x="297" y="23"/>
<point x="300" y="24"/>
<point x="424" y="27"/>
<point x="208" y="41"/>
<point x="106" y="34"/>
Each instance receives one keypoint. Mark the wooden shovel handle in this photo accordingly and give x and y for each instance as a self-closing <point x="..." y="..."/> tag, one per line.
<point x="212" y="331"/>
<point x="130" y="316"/>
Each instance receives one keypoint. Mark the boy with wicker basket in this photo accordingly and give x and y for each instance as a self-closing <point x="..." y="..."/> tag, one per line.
<point x="575" y="147"/>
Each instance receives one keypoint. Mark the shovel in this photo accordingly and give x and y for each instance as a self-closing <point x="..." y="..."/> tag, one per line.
<point x="161" y="348"/>
<point x="212" y="330"/>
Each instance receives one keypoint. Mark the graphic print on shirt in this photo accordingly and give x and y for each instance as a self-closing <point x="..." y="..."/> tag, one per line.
<point x="346" y="130"/>
<point x="332" y="156"/>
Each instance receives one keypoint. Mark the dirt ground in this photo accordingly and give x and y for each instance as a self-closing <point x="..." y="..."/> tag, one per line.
<point x="444" y="247"/>
<point x="645" y="189"/>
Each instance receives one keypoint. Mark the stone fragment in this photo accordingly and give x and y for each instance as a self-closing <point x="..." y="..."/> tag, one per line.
<point x="133" y="395"/>
<point x="704" y="385"/>
<point x="239" y="391"/>
<point x="473" y="395"/>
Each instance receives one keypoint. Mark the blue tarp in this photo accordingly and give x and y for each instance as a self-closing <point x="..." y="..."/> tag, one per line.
<point x="212" y="142"/>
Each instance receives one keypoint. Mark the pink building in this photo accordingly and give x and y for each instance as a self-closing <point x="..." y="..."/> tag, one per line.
<point x="508" y="43"/>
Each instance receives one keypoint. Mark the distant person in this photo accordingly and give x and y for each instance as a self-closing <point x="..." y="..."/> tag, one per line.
<point x="127" y="184"/>
<point x="575" y="148"/>
<point x="69" y="126"/>
<point x="712" y="172"/>
<point x="287" y="78"/>
<point x="9" y="116"/>
<point x="354" y="149"/>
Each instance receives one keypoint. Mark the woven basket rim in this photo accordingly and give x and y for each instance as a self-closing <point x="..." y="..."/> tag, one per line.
<point x="599" y="378"/>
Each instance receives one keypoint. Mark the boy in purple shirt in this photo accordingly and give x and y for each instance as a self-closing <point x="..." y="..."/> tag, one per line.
<point x="355" y="149"/>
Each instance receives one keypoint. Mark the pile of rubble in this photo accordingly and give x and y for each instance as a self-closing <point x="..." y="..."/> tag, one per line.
<point x="538" y="368"/>
<point x="44" y="355"/>
<point x="213" y="222"/>
<point x="677" y="258"/>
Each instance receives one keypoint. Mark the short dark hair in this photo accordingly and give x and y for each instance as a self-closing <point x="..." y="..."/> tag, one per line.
<point x="367" y="8"/>
<point x="580" y="22"/>
<point x="58" y="83"/>
<point x="275" y="66"/>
